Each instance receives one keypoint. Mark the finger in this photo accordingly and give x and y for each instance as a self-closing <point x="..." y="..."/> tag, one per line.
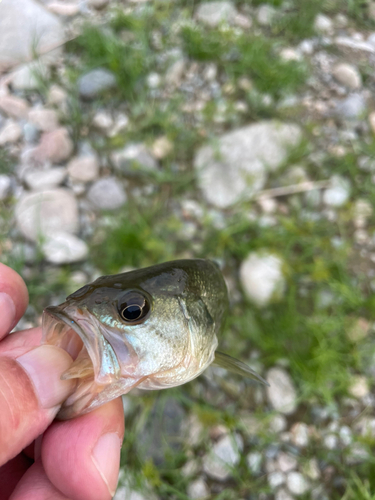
<point x="81" y="456"/>
<point x="35" y="485"/>
<point x="31" y="393"/>
<point x="11" y="473"/>
<point x="13" y="299"/>
<point x="19" y="343"/>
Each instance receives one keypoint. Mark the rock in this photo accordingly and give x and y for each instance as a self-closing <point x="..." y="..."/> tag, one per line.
<point x="27" y="28"/>
<point x="281" y="393"/>
<point x="214" y="13"/>
<point x="286" y="462"/>
<point x="153" y="80"/>
<point x="262" y="278"/>
<point x="296" y="483"/>
<point x="362" y="210"/>
<point x="359" y="387"/>
<point x="44" y="119"/>
<point x="226" y="453"/>
<point x="236" y="167"/>
<point x="121" y="122"/>
<point x="15" y="107"/>
<point x="94" y="82"/>
<point x="57" y="96"/>
<point x="323" y="24"/>
<point x="30" y="133"/>
<point x="275" y="479"/>
<point x="175" y="72"/>
<point x="283" y="494"/>
<point x="25" y="77"/>
<point x="10" y="133"/>
<point x="254" y="462"/>
<point x="359" y="330"/>
<point x="64" y="248"/>
<point x="55" y="146"/>
<point x="371" y="120"/>
<point x="98" y="4"/>
<point x="41" y="213"/>
<point x="198" y="489"/>
<point x="132" y="158"/>
<point x="162" y="147"/>
<point x="266" y="14"/>
<point x="103" y="120"/>
<point x="352" y="107"/>
<point x="38" y="180"/>
<point x="5" y="186"/>
<point x="311" y="469"/>
<point x="290" y="54"/>
<point x="300" y="434"/>
<point x="339" y="192"/>
<point x="67" y="9"/>
<point x="107" y="194"/>
<point x="84" y="168"/>
<point x="277" y="424"/>
<point x="354" y="47"/>
<point x="347" y="75"/>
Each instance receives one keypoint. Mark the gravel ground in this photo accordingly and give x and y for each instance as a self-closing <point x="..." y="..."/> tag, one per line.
<point x="238" y="131"/>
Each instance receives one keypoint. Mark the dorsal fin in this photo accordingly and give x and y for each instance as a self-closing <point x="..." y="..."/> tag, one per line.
<point x="236" y="366"/>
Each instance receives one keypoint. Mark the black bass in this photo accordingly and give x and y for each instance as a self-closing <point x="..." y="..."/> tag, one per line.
<point x="152" y="328"/>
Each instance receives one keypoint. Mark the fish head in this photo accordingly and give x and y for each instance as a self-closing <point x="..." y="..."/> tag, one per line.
<point x="151" y="328"/>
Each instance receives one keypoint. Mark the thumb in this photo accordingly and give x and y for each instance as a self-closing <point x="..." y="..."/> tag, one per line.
<point x="30" y="396"/>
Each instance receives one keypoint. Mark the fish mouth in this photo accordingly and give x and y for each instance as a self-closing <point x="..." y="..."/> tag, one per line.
<point x="95" y="365"/>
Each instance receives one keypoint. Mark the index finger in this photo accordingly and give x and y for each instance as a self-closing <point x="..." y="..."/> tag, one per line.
<point x="13" y="299"/>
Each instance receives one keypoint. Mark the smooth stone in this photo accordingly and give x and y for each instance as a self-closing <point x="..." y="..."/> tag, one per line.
<point x="27" y="28"/>
<point x="44" y="119"/>
<point x="296" y="483"/>
<point x="214" y="13"/>
<point x="262" y="278"/>
<point x="347" y="75"/>
<point x="107" y="194"/>
<point x="254" y="462"/>
<point x="30" y="133"/>
<point x="236" y="167"/>
<point x="26" y="76"/>
<point x="275" y="479"/>
<point x="281" y="393"/>
<point x="286" y="462"/>
<point x="339" y="192"/>
<point x="13" y="106"/>
<point x="323" y="24"/>
<point x="10" y="133"/>
<point x="352" y="107"/>
<point x="67" y="9"/>
<point x="283" y="494"/>
<point x="133" y="157"/>
<point x="5" y="186"/>
<point x="64" y="248"/>
<point x="354" y="46"/>
<point x="266" y="14"/>
<point x="162" y="147"/>
<point x="38" y="180"/>
<point x="224" y="455"/>
<point x="41" y="213"/>
<point x="300" y="434"/>
<point x="84" y="168"/>
<point x="94" y="82"/>
<point x="55" y="146"/>
<point x="198" y="490"/>
<point x="103" y="120"/>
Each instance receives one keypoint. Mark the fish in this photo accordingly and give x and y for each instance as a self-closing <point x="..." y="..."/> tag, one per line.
<point x="151" y="328"/>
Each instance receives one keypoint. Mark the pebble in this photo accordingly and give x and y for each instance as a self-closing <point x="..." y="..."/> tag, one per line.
<point x="262" y="278"/>
<point x="10" y="133"/>
<point x="275" y="479"/>
<point x="103" y="120"/>
<point x="300" y="434"/>
<point x="214" y="13"/>
<point x="312" y="470"/>
<point x="44" y="119"/>
<point x="25" y="77"/>
<point x="283" y="494"/>
<point x="266" y="14"/>
<point x="339" y="192"/>
<point x="281" y="393"/>
<point x="359" y="330"/>
<point x="278" y="424"/>
<point x="5" y="186"/>
<point x="13" y="106"/>
<point x="198" y="489"/>
<point x="354" y="47"/>
<point x="58" y="208"/>
<point x="153" y="80"/>
<point x="94" y="82"/>
<point x="84" y="168"/>
<point x="224" y="455"/>
<point x="296" y="483"/>
<point x="359" y="387"/>
<point x="30" y="133"/>
<point x="254" y="462"/>
<point x="64" y="248"/>
<point x="286" y="462"/>
<point x="55" y="146"/>
<point x="107" y="194"/>
<point x="371" y="120"/>
<point x="58" y="97"/>
<point x="67" y="9"/>
<point x="39" y="180"/>
<point x="347" y="75"/>
<point x="133" y="157"/>
<point x="352" y="107"/>
<point x="323" y="24"/>
<point x="247" y="154"/>
<point x="162" y="147"/>
<point x="330" y="441"/>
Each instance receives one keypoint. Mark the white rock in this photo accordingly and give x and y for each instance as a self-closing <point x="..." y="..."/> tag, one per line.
<point x="214" y="13"/>
<point x="353" y="107"/>
<point x="5" y="185"/>
<point x="42" y="213"/>
<point x="339" y="192"/>
<point x="346" y="435"/>
<point x="25" y="28"/>
<point x="347" y="75"/>
<point x="162" y="147"/>
<point x="107" y="194"/>
<point x="296" y="483"/>
<point x="266" y="14"/>
<point x="84" y="168"/>
<point x="63" y="248"/>
<point x="359" y="387"/>
<point x="133" y="157"/>
<point x="290" y="54"/>
<point x="38" y="180"/>
<point x="323" y="24"/>
<point x="235" y="168"/>
<point x="198" y="489"/>
<point x="286" y="462"/>
<point x="44" y="119"/>
<point x="103" y="120"/>
<point x="225" y="454"/>
<point x="355" y="46"/>
<point x="312" y="469"/>
<point x="153" y="80"/>
<point x="275" y="479"/>
<point x="58" y="97"/>
<point x="25" y="77"/>
<point x="10" y="133"/>
<point x="300" y="434"/>
<point x="13" y="106"/>
<point x="330" y="441"/>
<point x="121" y="122"/>
<point x="254" y="462"/>
<point x="175" y="72"/>
<point x="94" y="82"/>
<point x="61" y="8"/>
<point x="281" y="392"/>
<point x="283" y="494"/>
<point x="262" y="278"/>
<point x="278" y="423"/>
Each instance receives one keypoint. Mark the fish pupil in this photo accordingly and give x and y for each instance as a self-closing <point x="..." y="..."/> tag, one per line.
<point x="134" y="306"/>
<point x="132" y="313"/>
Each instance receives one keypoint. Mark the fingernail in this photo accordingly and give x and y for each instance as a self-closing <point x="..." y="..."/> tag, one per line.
<point x="45" y="365"/>
<point x="7" y="312"/>
<point x="106" y="458"/>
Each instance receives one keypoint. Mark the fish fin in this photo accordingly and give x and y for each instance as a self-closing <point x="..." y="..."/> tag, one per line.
<point x="236" y="366"/>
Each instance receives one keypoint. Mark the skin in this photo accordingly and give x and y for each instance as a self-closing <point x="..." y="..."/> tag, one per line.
<point x="41" y="458"/>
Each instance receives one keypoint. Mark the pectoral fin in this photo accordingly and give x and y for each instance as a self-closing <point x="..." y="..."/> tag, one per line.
<point x="236" y="366"/>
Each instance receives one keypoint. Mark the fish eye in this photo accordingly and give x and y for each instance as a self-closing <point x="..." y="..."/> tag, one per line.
<point x="133" y="307"/>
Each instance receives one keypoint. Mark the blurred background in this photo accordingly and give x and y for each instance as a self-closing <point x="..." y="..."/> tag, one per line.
<point x="136" y="132"/>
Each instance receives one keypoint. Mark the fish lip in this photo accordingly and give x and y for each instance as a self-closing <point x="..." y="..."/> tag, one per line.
<point x="55" y="312"/>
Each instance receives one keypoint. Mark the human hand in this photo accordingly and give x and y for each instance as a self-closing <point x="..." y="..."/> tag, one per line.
<point x="41" y="458"/>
